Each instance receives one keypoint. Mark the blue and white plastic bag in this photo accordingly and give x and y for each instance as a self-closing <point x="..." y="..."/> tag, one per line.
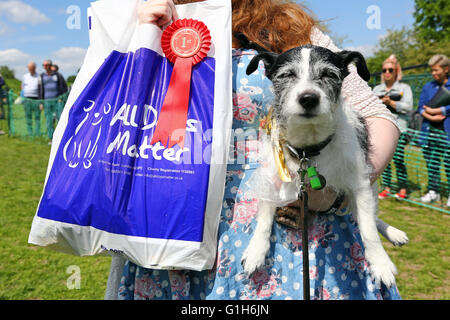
<point x="107" y="189"/>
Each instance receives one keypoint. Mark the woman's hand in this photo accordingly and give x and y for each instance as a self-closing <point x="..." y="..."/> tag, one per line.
<point x="319" y="200"/>
<point x="431" y="115"/>
<point x="388" y="101"/>
<point x="158" y="12"/>
<point x="432" y="111"/>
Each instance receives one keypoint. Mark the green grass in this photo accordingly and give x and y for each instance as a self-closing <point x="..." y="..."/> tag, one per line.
<point x="27" y="271"/>
<point x="423" y="264"/>
<point x="14" y="84"/>
<point x="19" y="124"/>
<point x="30" y="272"/>
<point x="417" y="176"/>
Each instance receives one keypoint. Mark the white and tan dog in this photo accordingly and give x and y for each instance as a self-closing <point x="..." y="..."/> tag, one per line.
<point x="309" y="111"/>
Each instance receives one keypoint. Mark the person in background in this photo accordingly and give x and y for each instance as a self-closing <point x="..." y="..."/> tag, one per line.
<point x="398" y="98"/>
<point x="30" y="88"/>
<point x="60" y="103"/>
<point x="435" y="131"/>
<point x="2" y="97"/>
<point x="52" y="87"/>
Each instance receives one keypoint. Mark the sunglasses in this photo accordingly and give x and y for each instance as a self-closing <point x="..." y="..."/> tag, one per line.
<point x="386" y="70"/>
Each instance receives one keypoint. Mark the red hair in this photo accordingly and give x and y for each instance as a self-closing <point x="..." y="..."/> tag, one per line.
<point x="276" y="25"/>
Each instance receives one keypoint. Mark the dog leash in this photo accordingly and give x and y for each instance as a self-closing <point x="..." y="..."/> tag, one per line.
<point x="317" y="182"/>
<point x="303" y="198"/>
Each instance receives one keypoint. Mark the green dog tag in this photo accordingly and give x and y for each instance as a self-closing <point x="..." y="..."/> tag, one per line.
<point x="312" y="172"/>
<point x="316" y="180"/>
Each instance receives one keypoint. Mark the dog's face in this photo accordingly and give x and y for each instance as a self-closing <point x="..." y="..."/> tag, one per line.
<point x="307" y="84"/>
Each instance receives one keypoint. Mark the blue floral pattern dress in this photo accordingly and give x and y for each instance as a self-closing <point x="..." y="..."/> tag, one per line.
<point x="338" y="269"/>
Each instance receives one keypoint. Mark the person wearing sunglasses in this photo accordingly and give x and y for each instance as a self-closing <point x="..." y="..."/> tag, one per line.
<point x="398" y="98"/>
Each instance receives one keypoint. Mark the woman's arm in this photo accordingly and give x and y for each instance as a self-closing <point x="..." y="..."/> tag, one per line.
<point x="433" y="115"/>
<point x="383" y="137"/>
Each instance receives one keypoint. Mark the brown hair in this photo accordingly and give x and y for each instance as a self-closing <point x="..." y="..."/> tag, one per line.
<point x="276" y="25"/>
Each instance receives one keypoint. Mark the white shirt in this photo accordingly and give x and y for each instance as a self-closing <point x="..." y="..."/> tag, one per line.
<point x="30" y="85"/>
<point x="404" y="106"/>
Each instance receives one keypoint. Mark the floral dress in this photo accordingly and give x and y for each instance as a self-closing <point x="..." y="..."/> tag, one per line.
<point x="338" y="269"/>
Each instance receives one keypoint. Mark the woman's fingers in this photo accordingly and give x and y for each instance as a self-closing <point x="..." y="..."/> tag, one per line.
<point x="318" y="200"/>
<point x="158" y="12"/>
<point x="174" y="11"/>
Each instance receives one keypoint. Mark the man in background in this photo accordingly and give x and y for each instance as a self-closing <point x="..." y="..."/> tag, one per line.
<point x="53" y="85"/>
<point x="60" y="103"/>
<point x="31" y="87"/>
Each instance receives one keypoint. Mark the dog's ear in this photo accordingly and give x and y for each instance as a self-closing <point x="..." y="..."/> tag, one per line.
<point x="356" y="57"/>
<point x="268" y="58"/>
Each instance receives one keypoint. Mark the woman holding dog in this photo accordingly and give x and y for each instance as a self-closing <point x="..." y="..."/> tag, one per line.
<point x="398" y="98"/>
<point x="338" y="269"/>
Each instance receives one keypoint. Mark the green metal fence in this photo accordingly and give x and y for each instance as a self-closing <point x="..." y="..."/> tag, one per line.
<point x="425" y="159"/>
<point x="32" y="119"/>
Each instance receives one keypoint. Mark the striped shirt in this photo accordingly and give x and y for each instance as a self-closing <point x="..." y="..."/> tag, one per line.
<point x="50" y="84"/>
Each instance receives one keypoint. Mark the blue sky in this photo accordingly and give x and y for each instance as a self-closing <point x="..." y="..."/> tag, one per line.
<point x="37" y="29"/>
<point x="349" y="18"/>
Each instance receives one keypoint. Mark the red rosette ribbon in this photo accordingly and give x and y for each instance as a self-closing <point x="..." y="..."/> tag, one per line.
<point x="185" y="43"/>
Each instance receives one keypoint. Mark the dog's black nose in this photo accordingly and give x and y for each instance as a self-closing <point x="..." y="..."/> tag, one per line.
<point x="309" y="100"/>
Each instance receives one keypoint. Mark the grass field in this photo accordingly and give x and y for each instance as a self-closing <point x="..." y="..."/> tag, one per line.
<point x="30" y="272"/>
<point x="26" y="271"/>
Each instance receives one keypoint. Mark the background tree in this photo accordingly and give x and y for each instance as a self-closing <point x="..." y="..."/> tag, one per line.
<point x="7" y="73"/>
<point x="432" y="20"/>
<point x="430" y="35"/>
<point x="398" y="42"/>
<point x="10" y="79"/>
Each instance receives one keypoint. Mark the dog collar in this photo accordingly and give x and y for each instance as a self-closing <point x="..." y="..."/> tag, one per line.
<point x="269" y="126"/>
<point x="309" y="151"/>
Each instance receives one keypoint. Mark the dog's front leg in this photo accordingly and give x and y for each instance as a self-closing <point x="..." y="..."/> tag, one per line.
<point x="254" y="256"/>
<point x="381" y="265"/>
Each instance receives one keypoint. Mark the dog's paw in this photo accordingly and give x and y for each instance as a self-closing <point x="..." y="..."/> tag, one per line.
<point x="383" y="270"/>
<point x="396" y="236"/>
<point x="252" y="261"/>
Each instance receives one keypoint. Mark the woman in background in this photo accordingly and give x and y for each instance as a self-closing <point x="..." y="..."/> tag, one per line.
<point x="398" y="98"/>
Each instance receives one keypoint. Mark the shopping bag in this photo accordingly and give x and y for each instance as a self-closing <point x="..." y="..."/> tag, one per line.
<point x="109" y="187"/>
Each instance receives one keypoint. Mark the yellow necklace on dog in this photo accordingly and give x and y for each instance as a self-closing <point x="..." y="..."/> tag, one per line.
<point x="270" y="126"/>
